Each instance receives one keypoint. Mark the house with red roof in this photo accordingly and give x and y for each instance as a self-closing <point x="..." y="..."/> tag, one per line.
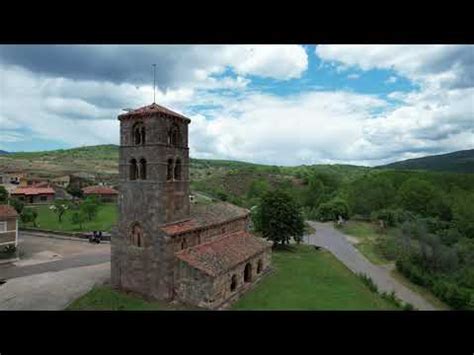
<point x="104" y="193"/>
<point x="34" y="194"/>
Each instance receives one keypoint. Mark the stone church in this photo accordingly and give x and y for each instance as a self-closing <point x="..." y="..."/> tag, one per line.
<point x="165" y="247"/>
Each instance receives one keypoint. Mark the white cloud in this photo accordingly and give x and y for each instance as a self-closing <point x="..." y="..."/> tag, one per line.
<point x="391" y="80"/>
<point x="353" y="76"/>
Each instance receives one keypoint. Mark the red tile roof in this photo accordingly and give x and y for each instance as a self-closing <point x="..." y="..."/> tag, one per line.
<point x="33" y="191"/>
<point x="152" y="109"/>
<point x="206" y="215"/>
<point x="218" y="256"/>
<point x="7" y="211"/>
<point x="99" y="190"/>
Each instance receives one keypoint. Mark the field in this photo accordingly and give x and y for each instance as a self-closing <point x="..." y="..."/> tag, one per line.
<point x="105" y="219"/>
<point x="304" y="279"/>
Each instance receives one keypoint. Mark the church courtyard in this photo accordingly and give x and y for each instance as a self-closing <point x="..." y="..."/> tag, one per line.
<point x="303" y="279"/>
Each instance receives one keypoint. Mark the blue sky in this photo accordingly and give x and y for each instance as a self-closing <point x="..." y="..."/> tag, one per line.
<point x="287" y="105"/>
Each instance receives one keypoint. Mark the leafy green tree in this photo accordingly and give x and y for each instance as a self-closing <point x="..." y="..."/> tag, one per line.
<point x="78" y="217"/>
<point x="331" y="210"/>
<point x="258" y="188"/>
<point x="75" y="191"/>
<point x="371" y="193"/>
<point x="279" y="218"/>
<point x="3" y="194"/>
<point x="463" y="211"/>
<point x="415" y="195"/>
<point x="17" y="205"/>
<point x="90" y="208"/>
<point x="29" y="215"/>
<point x="60" y="207"/>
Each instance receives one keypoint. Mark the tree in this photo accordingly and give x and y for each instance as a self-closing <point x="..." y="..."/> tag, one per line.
<point x="78" y="217"/>
<point x="75" y="191"/>
<point x="29" y="215"/>
<point x="3" y="194"/>
<point x="279" y="218"/>
<point x="17" y="205"/>
<point x="416" y="195"/>
<point x="60" y="207"/>
<point x="90" y="207"/>
<point x="331" y="210"/>
<point x="371" y="193"/>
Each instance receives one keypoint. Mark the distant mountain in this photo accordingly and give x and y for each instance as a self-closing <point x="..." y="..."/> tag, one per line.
<point x="2" y="152"/>
<point x="458" y="162"/>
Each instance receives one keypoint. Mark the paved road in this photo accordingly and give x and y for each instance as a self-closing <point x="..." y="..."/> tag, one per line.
<point x="51" y="290"/>
<point x="334" y="241"/>
<point x="52" y="273"/>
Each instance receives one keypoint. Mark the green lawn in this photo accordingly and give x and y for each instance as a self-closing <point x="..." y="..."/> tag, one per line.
<point x="303" y="279"/>
<point x="105" y="219"/>
<point x="306" y="279"/>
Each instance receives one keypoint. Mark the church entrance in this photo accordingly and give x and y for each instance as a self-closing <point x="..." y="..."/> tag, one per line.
<point x="248" y="273"/>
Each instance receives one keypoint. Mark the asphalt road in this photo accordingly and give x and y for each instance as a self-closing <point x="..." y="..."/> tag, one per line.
<point x="336" y="242"/>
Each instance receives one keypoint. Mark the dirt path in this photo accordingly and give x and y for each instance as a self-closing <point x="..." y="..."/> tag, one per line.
<point x="334" y="241"/>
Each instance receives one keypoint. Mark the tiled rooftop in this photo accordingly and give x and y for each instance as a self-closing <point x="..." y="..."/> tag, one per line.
<point x="99" y="190"/>
<point x="151" y="109"/>
<point x="205" y="215"/>
<point x="218" y="256"/>
<point x="33" y="191"/>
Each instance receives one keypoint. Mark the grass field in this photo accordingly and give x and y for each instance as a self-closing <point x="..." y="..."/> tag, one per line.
<point x="303" y="279"/>
<point x="105" y="219"/>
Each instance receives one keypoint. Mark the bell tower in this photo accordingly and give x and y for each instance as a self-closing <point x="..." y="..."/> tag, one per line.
<point x="154" y="190"/>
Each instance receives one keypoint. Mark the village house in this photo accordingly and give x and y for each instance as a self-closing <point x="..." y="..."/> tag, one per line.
<point x="34" y="195"/>
<point x="8" y="232"/>
<point x="62" y="181"/>
<point x="164" y="246"/>
<point x="103" y="193"/>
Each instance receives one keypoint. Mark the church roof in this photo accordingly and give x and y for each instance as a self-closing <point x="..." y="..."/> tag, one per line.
<point x="206" y="215"/>
<point x="218" y="256"/>
<point x="152" y="109"/>
<point x="33" y="191"/>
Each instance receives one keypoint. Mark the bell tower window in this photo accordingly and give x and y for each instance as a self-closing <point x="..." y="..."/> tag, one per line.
<point x="174" y="135"/>
<point x="143" y="169"/>
<point x="138" y="134"/>
<point x="177" y="170"/>
<point x="133" y="169"/>
<point x="169" y="170"/>
<point x="136" y="235"/>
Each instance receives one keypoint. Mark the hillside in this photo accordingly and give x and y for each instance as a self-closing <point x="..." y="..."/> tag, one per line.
<point x="458" y="162"/>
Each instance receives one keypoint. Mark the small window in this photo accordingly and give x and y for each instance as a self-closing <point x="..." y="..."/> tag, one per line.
<point x="248" y="273"/>
<point x="184" y="245"/>
<point x="259" y="266"/>
<point x="169" y="172"/>
<point x="143" y="169"/>
<point x="177" y="170"/>
<point x="233" y="283"/>
<point x="138" y="134"/>
<point x="3" y="227"/>
<point x="136" y="235"/>
<point x="43" y="198"/>
<point x="133" y="169"/>
<point x="173" y="135"/>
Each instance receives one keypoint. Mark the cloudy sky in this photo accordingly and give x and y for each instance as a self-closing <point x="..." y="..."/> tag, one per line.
<point x="285" y="105"/>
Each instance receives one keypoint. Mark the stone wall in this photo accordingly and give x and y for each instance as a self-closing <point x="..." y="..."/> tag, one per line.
<point x="200" y="289"/>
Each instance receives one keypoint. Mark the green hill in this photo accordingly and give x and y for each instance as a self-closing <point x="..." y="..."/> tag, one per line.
<point x="458" y="162"/>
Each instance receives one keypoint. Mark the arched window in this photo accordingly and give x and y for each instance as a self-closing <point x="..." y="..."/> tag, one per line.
<point x="248" y="273"/>
<point x="173" y="135"/>
<point x="259" y="266"/>
<point x="133" y="169"/>
<point x="177" y="170"/>
<point x="233" y="283"/>
<point x="169" y="172"/>
<point x="136" y="235"/>
<point x="138" y="133"/>
<point x="143" y="135"/>
<point x="142" y="169"/>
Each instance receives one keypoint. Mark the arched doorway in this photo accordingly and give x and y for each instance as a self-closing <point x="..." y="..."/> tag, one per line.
<point x="248" y="273"/>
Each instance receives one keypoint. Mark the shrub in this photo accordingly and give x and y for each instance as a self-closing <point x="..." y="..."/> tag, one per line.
<point x="368" y="282"/>
<point x="329" y="211"/>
